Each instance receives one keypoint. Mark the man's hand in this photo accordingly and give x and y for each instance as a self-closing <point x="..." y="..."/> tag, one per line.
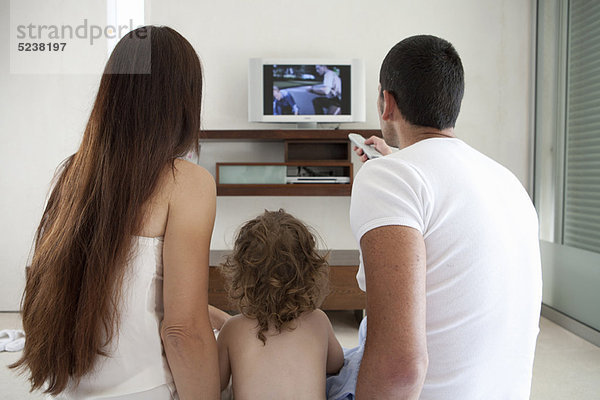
<point x="378" y="143"/>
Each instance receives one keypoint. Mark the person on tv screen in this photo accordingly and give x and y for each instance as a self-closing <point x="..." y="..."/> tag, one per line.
<point x="283" y="103"/>
<point x="329" y="101"/>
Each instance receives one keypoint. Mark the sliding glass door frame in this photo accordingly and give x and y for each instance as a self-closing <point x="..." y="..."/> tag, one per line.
<point x="571" y="275"/>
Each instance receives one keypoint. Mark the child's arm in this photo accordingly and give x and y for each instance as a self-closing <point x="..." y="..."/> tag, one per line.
<point x="217" y="317"/>
<point x="224" y="364"/>
<point x="335" y="354"/>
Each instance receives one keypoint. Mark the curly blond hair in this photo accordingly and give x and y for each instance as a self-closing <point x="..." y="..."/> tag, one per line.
<point x="275" y="273"/>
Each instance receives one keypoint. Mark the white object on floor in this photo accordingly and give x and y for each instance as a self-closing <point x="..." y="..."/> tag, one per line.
<point x="15" y="345"/>
<point x="8" y="336"/>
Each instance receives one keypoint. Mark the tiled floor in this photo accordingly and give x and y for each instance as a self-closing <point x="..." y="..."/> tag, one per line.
<point x="566" y="367"/>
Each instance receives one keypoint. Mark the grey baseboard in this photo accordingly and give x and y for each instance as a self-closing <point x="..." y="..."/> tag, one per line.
<point x="583" y="331"/>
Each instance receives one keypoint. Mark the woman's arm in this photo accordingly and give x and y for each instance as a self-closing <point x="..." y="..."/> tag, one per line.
<point x="186" y="330"/>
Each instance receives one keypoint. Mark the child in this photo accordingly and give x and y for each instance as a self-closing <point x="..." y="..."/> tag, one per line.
<point x="280" y="346"/>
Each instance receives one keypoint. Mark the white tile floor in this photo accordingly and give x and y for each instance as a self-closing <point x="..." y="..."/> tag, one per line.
<point x="566" y="366"/>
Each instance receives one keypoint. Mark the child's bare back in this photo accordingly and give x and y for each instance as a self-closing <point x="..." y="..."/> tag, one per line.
<point x="291" y="364"/>
<point x="282" y="345"/>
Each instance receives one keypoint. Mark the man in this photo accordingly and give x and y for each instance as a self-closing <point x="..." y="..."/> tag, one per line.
<point x="449" y="246"/>
<point x="283" y="103"/>
<point x="329" y="101"/>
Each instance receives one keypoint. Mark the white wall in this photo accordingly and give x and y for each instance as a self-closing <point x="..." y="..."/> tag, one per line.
<point x="42" y="116"/>
<point x="493" y="38"/>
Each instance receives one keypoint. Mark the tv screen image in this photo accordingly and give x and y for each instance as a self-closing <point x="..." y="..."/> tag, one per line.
<point x="309" y="89"/>
<point x="306" y="90"/>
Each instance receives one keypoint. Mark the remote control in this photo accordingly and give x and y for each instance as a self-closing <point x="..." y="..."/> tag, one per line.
<point x="367" y="149"/>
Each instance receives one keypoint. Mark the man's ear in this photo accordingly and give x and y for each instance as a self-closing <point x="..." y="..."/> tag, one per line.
<point x="390" y="108"/>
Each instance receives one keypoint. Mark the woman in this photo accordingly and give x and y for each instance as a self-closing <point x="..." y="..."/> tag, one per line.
<point x="125" y="213"/>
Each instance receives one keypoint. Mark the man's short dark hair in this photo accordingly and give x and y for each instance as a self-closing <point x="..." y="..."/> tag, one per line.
<point x="425" y="76"/>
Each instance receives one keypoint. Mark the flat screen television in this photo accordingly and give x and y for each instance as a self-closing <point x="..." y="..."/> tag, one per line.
<point x="306" y="90"/>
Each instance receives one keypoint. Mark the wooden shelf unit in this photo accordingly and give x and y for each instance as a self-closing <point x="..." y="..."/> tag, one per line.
<point x="305" y="189"/>
<point x="311" y="147"/>
<point x="286" y="134"/>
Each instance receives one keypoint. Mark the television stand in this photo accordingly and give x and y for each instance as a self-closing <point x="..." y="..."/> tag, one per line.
<point x="323" y="148"/>
<point x="306" y="125"/>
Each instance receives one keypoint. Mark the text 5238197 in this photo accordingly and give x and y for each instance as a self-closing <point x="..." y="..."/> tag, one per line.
<point x="41" y="46"/>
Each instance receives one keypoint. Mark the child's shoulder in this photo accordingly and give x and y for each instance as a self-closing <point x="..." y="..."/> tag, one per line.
<point x="240" y="324"/>
<point x="316" y="314"/>
<point x="236" y="322"/>
<point x="232" y="328"/>
<point x="315" y="317"/>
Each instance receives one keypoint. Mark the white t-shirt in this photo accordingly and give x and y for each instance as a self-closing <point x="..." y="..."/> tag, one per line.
<point x="333" y="82"/>
<point x="483" y="277"/>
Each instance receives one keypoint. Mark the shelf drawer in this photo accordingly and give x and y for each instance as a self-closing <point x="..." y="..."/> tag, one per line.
<point x="313" y="150"/>
<point x="251" y="174"/>
<point x="269" y="179"/>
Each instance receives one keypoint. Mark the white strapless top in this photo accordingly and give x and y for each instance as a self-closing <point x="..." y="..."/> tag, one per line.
<point x="136" y="360"/>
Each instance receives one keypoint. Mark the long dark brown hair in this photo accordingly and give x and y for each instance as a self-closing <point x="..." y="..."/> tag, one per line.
<point x="275" y="273"/>
<point x="146" y="114"/>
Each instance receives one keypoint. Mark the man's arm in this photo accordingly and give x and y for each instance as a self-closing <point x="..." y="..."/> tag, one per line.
<point x="395" y="360"/>
<point x="325" y="87"/>
<point x="320" y="89"/>
<point x="293" y="104"/>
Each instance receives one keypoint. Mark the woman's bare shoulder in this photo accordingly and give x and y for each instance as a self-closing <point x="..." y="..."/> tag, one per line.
<point x="181" y="186"/>
<point x="185" y="171"/>
<point x="188" y="180"/>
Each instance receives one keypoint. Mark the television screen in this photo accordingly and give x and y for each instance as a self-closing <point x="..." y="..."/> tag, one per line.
<point x="307" y="89"/>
